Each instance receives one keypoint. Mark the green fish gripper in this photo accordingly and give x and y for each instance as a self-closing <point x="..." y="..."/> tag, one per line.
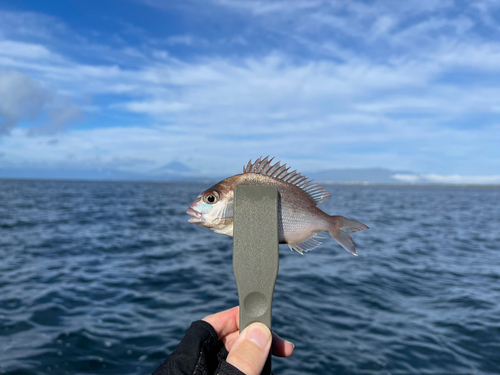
<point x="255" y="253"/>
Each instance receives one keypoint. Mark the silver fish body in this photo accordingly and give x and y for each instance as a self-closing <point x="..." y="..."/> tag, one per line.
<point x="300" y="220"/>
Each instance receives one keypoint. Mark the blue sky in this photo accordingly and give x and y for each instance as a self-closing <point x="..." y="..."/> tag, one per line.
<point x="135" y="85"/>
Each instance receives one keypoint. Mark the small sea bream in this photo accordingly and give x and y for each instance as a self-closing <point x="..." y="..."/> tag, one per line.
<point x="300" y="221"/>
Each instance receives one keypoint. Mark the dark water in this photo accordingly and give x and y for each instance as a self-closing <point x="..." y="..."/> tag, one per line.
<point x="105" y="277"/>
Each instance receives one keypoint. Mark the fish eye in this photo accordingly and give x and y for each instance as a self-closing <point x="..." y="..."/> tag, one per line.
<point x="211" y="197"/>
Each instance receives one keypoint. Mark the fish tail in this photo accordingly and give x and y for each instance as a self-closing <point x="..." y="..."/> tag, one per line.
<point x="338" y="230"/>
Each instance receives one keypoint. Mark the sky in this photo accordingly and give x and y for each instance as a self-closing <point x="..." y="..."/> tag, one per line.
<point x="134" y="85"/>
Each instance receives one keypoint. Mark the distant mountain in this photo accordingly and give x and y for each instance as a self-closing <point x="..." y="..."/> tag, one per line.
<point x="170" y="172"/>
<point x="354" y="175"/>
<point x="175" y="167"/>
<point x="86" y="174"/>
<point x="69" y="174"/>
<point x="175" y="171"/>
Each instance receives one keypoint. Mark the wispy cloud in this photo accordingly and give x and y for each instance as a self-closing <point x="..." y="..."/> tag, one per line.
<point x="30" y="51"/>
<point x="260" y="7"/>
<point x="156" y="108"/>
<point x="29" y="25"/>
<point x="187" y="40"/>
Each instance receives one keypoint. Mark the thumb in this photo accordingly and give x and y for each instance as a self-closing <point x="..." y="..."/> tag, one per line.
<point x="251" y="349"/>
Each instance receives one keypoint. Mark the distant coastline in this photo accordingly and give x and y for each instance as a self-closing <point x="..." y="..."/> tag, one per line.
<point x="179" y="172"/>
<point x="213" y="181"/>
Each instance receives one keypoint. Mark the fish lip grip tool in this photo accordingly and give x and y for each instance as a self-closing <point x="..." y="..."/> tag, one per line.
<point x="256" y="253"/>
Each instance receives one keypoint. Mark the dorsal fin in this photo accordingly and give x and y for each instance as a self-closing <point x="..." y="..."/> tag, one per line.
<point x="280" y="172"/>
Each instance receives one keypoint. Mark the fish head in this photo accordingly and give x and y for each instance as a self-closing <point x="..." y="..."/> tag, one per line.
<point x="213" y="208"/>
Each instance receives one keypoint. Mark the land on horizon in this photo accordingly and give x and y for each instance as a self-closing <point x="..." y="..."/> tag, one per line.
<point x="177" y="171"/>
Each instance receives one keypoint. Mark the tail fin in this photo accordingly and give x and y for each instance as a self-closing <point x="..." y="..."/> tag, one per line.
<point x="341" y="224"/>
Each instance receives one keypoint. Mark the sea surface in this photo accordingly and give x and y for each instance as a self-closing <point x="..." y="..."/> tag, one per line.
<point x="105" y="278"/>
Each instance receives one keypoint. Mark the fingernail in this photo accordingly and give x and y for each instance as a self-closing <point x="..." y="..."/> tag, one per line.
<point x="259" y="334"/>
<point x="291" y="343"/>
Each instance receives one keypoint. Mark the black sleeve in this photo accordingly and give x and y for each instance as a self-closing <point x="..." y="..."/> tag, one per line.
<point x="199" y="353"/>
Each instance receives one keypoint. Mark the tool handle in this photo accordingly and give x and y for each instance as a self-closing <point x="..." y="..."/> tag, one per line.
<point x="255" y="253"/>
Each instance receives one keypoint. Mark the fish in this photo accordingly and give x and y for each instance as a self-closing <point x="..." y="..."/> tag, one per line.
<point x="299" y="219"/>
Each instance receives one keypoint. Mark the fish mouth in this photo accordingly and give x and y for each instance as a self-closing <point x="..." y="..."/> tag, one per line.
<point x="196" y="215"/>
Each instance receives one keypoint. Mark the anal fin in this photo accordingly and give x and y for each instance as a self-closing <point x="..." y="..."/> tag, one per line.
<point x="307" y="245"/>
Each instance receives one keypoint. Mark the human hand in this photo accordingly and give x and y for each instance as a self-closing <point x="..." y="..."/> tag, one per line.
<point x="249" y="350"/>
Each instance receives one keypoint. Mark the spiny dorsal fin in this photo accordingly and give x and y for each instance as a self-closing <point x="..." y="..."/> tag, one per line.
<point x="280" y="172"/>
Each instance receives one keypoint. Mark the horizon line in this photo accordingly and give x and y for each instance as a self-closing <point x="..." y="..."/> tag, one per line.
<point x="352" y="183"/>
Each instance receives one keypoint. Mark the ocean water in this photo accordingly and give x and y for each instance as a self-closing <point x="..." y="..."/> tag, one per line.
<point x="105" y="277"/>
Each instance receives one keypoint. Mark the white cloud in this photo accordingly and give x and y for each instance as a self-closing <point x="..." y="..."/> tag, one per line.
<point x="448" y="179"/>
<point x="29" y="25"/>
<point x="383" y="25"/>
<point x="260" y="7"/>
<point x="406" y="178"/>
<point x="425" y="31"/>
<point x="187" y="40"/>
<point x="157" y="107"/>
<point x="457" y="179"/>
<point x="24" y="50"/>
<point x="484" y="57"/>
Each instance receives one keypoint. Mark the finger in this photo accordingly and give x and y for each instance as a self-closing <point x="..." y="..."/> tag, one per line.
<point x="225" y="322"/>
<point x="230" y="339"/>
<point x="251" y="349"/>
<point x="281" y="347"/>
